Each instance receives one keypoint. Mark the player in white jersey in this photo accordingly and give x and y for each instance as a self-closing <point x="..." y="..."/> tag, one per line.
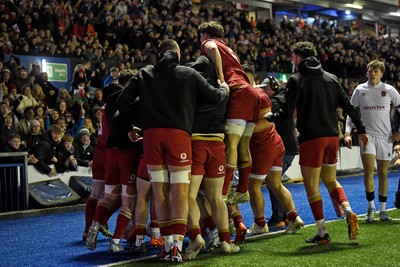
<point x="374" y="100"/>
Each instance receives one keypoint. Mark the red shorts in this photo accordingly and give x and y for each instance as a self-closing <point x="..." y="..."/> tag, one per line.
<point x="99" y="162"/>
<point x="142" y="170"/>
<point x="121" y="166"/>
<point x="320" y="151"/>
<point x="208" y="158"/>
<point x="244" y="104"/>
<point x="167" y="146"/>
<point x="266" y="151"/>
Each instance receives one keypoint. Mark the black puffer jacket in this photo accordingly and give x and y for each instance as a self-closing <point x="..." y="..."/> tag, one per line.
<point x="316" y="94"/>
<point x="168" y="94"/>
<point x="285" y="127"/>
<point x="44" y="151"/>
<point x="208" y="117"/>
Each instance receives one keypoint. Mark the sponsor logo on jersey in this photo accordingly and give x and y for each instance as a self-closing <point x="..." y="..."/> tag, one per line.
<point x="374" y="107"/>
<point x="183" y="157"/>
<point x="221" y="169"/>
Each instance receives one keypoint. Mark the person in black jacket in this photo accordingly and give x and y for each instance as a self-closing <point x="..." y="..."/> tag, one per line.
<point x="45" y="150"/>
<point x="316" y="94"/>
<point x="65" y="155"/>
<point x="168" y="93"/>
<point x="286" y="129"/>
<point x="83" y="148"/>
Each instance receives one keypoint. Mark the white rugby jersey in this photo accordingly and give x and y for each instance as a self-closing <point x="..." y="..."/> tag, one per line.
<point x="374" y="104"/>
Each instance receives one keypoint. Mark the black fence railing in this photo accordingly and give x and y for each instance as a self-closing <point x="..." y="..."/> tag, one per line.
<point x="14" y="194"/>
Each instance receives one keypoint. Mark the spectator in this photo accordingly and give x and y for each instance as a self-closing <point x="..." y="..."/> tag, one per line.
<point x="45" y="150"/>
<point x="65" y="96"/>
<point x="32" y="138"/>
<point x="49" y="90"/>
<point x="21" y="79"/>
<point x="7" y="127"/>
<point x="39" y="95"/>
<point x="84" y="148"/>
<point x="65" y="155"/>
<point x="13" y="143"/>
<point x="25" y="100"/>
<point x="24" y="123"/>
<point x="113" y="77"/>
<point x="97" y="100"/>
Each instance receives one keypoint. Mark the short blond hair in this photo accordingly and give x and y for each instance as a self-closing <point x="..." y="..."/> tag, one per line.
<point x="376" y="64"/>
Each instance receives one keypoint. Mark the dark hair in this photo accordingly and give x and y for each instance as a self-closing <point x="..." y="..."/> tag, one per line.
<point x="14" y="135"/>
<point x="166" y="45"/>
<point x="212" y="28"/>
<point x="304" y="49"/>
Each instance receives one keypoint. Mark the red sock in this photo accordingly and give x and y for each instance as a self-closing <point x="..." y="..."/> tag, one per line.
<point x="90" y="210"/>
<point x="193" y="232"/>
<point x="165" y="229"/>
<point x="179" y="228"/>
<point x="292" y="214"/>
<point x="237" y="218"/>
<point x="123" y="219"/>
<point x="154" y="224"/>
<point x="228" y="178"/>
<point x="260" y="221"/>
<point x="244" y="176"/>
<point x="140" y="230"/>
<point x="114" y="207"/>
<point x="224" y="235"/>
<point x="316" y="207"/>
<point x="339" y="195"/>
<point x="101" y="212"/>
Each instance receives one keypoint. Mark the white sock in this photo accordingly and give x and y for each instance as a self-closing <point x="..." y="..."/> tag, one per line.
<point x="178" y="241"/>
<point x="116" y="241"/>
<point x="371" y="204"/>
<point x="346" y="207"/>
<point x="321" y="225"/>
<point x="382" y="206"/>
<point x="168" y="241"/>
<point x="156" y="232"/>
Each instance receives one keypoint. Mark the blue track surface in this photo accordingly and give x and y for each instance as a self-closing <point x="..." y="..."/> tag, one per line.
<point x="55" y="240"/>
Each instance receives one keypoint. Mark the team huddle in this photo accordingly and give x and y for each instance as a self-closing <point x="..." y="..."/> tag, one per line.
<point x="172" y="137"/>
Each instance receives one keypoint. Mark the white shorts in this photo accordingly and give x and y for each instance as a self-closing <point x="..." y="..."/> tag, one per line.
<point x="378" y="146"/>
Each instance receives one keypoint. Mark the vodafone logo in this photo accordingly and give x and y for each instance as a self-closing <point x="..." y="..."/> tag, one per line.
<point x="183" y="156"/>
<point x="221" y="168"/>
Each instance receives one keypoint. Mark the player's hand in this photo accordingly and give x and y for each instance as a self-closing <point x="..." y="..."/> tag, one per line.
<point x="348" y="140"/>
<point x="363" y="138"/>
<point x="134" y="134"/>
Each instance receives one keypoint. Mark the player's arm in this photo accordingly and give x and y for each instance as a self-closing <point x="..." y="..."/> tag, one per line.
<point x="212" y="51"/>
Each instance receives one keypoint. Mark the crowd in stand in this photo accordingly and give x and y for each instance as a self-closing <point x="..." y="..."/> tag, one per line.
<point x="129" y="32"/>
